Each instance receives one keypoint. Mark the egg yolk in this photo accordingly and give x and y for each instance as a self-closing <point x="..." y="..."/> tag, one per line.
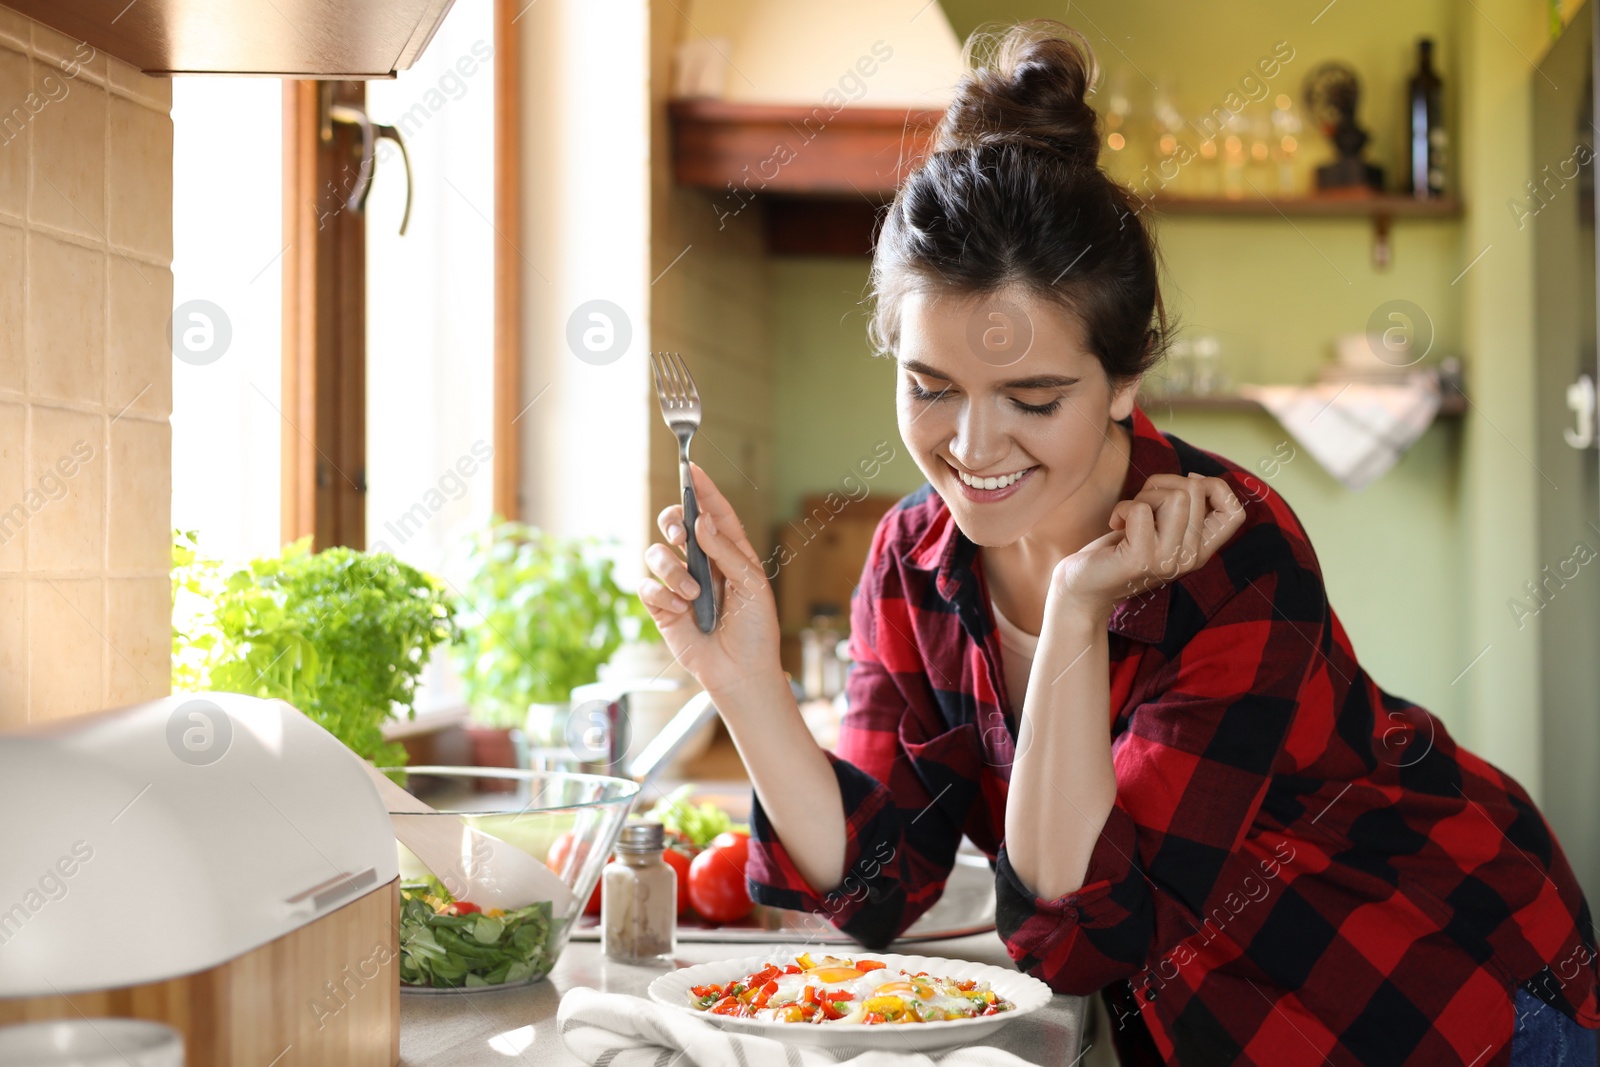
<point x="829" y="975"/>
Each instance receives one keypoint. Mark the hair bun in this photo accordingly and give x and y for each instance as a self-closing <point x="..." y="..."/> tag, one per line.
<point x="1026" y="86"/>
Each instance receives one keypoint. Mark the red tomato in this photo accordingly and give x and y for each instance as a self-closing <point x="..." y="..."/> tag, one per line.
<point x="679" y="862"/>
<point x="716" y="880"/>
<point x="568" y="849"/>
<point x="729" y="838"/>
<point x="466" y="907"/>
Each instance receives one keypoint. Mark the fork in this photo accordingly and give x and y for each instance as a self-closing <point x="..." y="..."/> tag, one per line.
<point x="680" y="408"/>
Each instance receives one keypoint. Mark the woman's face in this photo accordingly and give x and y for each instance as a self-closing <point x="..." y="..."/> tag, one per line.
<point x="1002" y="405"/>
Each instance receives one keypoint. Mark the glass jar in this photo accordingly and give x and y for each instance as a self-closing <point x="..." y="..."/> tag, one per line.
<point x="639" y="898"/>
<point x="821" y="671"/>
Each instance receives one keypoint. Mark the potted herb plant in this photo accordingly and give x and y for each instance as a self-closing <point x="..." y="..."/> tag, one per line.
<point x="342" y="635"/>
<point x="540" y="614"/>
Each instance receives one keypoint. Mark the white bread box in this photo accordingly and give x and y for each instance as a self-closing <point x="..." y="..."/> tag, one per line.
<point x="216" y="862"/>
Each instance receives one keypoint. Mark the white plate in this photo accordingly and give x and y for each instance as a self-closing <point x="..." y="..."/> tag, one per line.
<point x="1026" y="992"/>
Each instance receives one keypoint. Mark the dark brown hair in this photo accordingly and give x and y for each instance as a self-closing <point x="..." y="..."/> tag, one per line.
<point x="1011" y="194"/>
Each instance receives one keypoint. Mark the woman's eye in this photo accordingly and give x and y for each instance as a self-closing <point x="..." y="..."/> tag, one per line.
<point x="919" y="393"/>
<point x="1038" y="409"/>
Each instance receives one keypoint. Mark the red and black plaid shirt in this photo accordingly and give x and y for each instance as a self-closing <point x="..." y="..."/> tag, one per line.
<point x="1299" y="868"/>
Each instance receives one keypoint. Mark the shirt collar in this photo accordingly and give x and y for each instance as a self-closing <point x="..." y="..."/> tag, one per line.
<point x="953" y="557"/>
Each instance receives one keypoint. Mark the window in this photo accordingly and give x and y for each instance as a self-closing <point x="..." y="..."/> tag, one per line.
<point x="226" y="293"/>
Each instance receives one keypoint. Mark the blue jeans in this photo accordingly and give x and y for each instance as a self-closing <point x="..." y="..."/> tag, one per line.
<point x="1546" y="1038"/>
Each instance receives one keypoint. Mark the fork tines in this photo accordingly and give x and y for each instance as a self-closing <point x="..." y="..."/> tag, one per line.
<point x="675" y="386"/>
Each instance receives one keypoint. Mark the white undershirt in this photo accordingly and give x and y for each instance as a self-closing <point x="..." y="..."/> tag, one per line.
<point x="1017" y="647"/>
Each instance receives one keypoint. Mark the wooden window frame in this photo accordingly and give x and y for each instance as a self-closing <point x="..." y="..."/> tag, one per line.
<point x="323" y="480"/>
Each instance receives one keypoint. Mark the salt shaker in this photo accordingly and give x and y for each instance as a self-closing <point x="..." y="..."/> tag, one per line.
<point x="639" y="898"/>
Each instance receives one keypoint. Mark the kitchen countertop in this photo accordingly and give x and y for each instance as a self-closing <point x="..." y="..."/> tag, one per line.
<point x="518" y="1025"/>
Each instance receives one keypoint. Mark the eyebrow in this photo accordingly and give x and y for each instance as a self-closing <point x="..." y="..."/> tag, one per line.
<point x="1038" y="381"/>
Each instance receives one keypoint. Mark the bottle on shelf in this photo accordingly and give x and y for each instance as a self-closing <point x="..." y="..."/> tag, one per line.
<point x="1166" y="174"/>
<point x="1259" y="170"/>
<point x="1122" y="150"/>
<point x="1427" y="143"/>
<point x="1235" y="153"/>
<point x="1286" y="126"/>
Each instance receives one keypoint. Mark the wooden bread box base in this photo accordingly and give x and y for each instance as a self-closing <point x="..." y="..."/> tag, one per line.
<point x="327" y="993"/>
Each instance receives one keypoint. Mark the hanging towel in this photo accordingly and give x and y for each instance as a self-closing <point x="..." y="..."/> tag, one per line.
<point x="1356" y="430"/>
<point x="624" y="1031"/>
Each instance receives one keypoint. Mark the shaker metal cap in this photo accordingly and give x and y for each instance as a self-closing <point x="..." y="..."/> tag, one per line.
<point x="648" y="836"/>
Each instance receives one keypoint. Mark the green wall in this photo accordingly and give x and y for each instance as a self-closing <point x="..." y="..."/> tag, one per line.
<point x="835" y="400"/>
<point x="1420" y="563"/>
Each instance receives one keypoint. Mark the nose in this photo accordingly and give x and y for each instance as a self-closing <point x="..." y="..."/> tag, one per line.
<point x="977" y="444"/>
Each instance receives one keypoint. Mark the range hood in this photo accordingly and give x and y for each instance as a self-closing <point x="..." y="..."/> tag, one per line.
<point x="280" y="38"/>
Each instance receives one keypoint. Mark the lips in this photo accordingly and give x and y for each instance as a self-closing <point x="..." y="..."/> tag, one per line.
<point x="1005" y="485"/>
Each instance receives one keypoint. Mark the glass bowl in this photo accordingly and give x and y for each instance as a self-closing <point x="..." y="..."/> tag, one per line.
<point x="566" y="820"/>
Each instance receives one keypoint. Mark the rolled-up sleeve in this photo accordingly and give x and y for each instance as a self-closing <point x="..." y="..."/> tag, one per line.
<point x="1192" y="770"/>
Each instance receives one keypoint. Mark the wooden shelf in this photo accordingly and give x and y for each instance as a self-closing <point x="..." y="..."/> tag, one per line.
<point x="1383" y="205"/>
<point x="756" y="148"/>
<point x="824" y="173"/>
<point x="1452" y="405"/>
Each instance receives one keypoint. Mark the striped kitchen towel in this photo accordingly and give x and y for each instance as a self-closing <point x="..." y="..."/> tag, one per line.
<point x="615" y="1030"/>
<point x="1356" y="430"/>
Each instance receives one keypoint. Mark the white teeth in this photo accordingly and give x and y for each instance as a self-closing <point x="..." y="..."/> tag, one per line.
<point x="992" y="483"/>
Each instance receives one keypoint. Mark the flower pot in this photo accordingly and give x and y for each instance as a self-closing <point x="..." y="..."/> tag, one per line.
<point x="496" y="746"/>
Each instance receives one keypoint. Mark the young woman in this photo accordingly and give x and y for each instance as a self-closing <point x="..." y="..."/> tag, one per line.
<point x="1107" y="657"/>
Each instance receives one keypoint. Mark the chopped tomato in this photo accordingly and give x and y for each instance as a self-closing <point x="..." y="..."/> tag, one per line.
<point x="465" y="907"/>
<point x="706" y="990"/>
<point x="727" y="1006"/>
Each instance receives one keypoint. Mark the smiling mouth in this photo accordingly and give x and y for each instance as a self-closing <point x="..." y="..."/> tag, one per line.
<point x="997" y="481"/>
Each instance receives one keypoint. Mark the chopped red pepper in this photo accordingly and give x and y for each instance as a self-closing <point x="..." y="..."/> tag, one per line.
<point x="465" y="907"/>
<point x="874" y="1017"/>
<point x="868" y="965"/>
<point x="727" y="1006"/>
<point x="791" y="969"/>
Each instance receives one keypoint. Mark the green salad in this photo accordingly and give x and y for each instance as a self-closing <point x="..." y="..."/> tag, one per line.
<point x="698" y="824"/>
<point x="446" y="943"/>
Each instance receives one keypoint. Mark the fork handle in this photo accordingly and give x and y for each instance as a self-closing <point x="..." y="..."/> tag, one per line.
<point x="705" y="605"/>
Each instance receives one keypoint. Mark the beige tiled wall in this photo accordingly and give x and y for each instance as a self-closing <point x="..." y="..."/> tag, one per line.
<point x="85" y="377"/>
